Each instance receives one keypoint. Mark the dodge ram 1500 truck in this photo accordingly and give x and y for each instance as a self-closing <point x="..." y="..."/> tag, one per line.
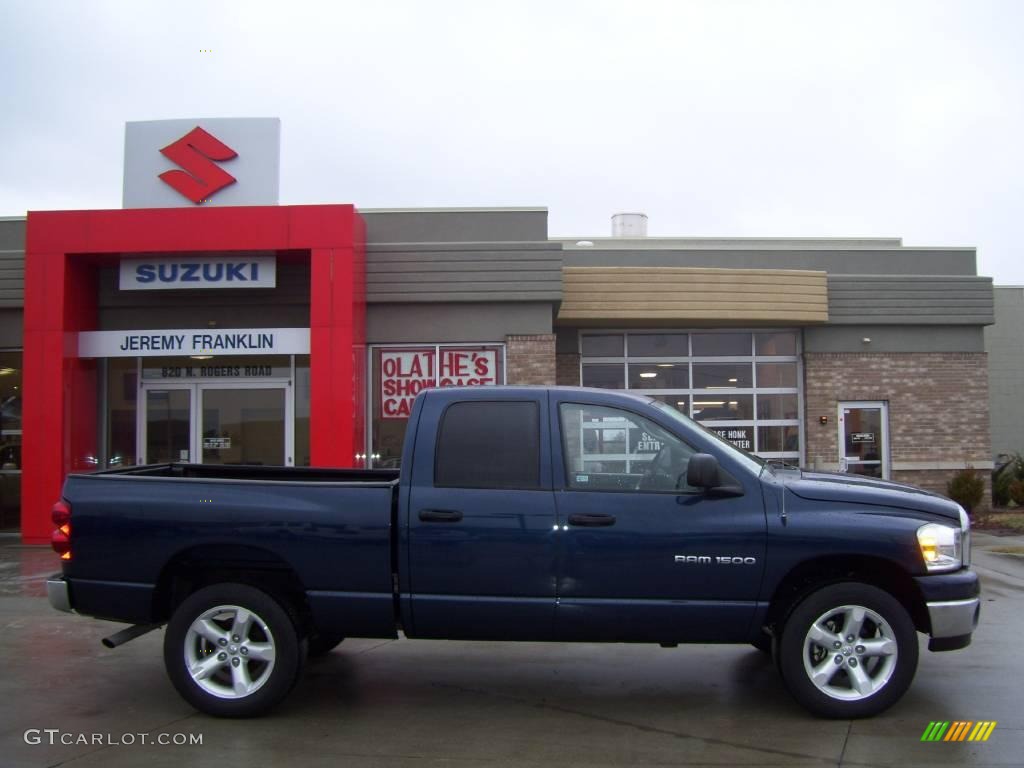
<point x="519" y="513"/>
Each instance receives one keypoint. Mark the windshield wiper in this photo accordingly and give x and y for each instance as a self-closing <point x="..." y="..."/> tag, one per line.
<point x="781" y="464"/>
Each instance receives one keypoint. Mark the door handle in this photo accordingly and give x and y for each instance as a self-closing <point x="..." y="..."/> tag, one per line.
<point x="440" y="516"/>
<point x="592" y="521"/>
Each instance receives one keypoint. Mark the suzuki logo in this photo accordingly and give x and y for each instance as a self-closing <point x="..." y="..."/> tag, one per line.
<point x="195" y="152"/>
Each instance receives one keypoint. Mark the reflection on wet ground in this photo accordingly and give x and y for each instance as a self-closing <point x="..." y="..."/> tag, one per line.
<point x="24" y="569"/>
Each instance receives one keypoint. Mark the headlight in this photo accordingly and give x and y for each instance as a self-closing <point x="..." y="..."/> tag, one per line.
<point x="965" y="530"/>
<point x="941" y="547"/>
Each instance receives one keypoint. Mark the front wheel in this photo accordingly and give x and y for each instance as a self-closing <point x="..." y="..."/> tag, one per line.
<point x="232" y="650"/>
<point x="848" y="650"/>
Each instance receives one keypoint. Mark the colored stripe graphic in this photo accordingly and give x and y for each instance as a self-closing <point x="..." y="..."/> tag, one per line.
<point x="959" y="730"/>
<point x="982" y="731"/>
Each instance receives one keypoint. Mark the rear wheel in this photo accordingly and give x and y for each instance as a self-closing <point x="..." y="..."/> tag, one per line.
<point x="848" y="650"/>
<point x="232" y="650"/>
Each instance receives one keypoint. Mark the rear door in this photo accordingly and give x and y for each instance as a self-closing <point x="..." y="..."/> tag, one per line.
<point x="643" y="556"/>
<point x="481" y="518"/>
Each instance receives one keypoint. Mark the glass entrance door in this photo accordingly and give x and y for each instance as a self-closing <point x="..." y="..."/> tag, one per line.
<point x="217" y="423"/>
<point x="864" y="438"/>
<point x="243" y="426"/>
<point x="167" y="425"/>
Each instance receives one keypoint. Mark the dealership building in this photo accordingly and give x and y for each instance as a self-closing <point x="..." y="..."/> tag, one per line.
<point x="204" y="322"/>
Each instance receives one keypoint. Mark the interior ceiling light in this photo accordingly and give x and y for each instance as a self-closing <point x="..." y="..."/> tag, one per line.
<point x="648" y="375"/>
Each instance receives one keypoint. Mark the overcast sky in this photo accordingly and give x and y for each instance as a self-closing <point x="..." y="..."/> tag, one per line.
<point x="718" y="118"/>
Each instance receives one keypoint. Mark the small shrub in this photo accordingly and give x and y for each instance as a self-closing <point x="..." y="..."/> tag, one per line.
<point x="966" y="488"/>
<point x="1016" y="492"/>
<point x="1001" y="488"/>
<point x="1002" y="479"/>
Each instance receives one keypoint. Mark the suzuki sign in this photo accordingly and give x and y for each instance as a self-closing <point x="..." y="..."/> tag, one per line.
<point x="215" y="161"/>
<point x="198" y="272"/>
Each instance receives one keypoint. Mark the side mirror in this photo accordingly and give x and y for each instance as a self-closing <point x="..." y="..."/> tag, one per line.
<point x="702" y="471"/>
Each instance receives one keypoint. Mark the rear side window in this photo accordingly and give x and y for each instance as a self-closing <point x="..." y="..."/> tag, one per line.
<point x="485" y="444"/>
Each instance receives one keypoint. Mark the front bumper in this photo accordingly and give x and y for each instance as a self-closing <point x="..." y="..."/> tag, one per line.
<point x="953" y="605"/>
<point x="58" y="593"/>
<point x="954" y="618"/>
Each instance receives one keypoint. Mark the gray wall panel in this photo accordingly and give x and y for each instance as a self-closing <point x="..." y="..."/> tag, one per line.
<point x="454" y="225"/>
<point x="12" y="262"/>
<point x="412" y="323"/>
<point x="12" y="233"/>
<point x="910" y="300"/>
<point x="463" y="273"/>
<point x="859" y="261"/>
<point x="10" y="328"/>
<point x="1004" y="343"/>
<point x="888" y="338"/>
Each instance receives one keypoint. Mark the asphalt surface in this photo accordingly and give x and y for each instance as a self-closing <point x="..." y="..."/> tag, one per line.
<point x="425" y="703"/>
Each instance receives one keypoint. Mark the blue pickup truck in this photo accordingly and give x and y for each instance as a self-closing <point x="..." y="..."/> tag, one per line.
<point x="519" y="513"/>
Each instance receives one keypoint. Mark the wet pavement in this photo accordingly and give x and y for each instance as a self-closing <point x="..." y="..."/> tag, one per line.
<point x="424" y="703"/>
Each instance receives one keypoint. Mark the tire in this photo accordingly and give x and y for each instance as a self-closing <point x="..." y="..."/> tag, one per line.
<point x="873" y="670"/>
<point x="228" y="677"/>
<point x="321" y="645"/>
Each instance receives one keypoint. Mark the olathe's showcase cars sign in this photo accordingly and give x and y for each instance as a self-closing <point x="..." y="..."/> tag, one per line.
<point x="406" y="373"/>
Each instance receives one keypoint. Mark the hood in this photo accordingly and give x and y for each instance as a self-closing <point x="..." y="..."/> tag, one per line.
<point x="856" y="489"/>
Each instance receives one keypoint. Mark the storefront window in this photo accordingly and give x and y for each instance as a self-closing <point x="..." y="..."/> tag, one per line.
<point x="721" y="345"/>
<point x="401" y="373"/>
<point x="604" y="376"/>
<point x="658" y="345"/>
<point x="10" y="439"/>
<point x="659" y="376"/>
<point x="122" y="410"/>
<point x="302" y="451"/>
<point x="598" y="345"/>
<point x="743" y="385"/>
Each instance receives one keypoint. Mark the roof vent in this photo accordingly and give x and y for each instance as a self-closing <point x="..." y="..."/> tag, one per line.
<point x="629" y="225"/>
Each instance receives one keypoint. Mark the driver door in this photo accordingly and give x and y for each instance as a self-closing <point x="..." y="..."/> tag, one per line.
<point x="638" y="547"/>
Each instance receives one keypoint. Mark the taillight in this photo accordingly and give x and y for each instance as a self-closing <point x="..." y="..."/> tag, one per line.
<point x="61" y="538"/>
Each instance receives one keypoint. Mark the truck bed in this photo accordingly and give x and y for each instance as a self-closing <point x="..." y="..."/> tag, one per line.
<point x="330" y="527"/>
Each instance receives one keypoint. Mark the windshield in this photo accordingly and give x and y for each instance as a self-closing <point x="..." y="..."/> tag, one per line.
<point x="753" y="463"/>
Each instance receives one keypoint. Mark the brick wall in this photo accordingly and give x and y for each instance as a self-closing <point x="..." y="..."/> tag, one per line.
<point x="938" y="410"/>
<point x="530" y="359"/>
<point x="567" y="369"/>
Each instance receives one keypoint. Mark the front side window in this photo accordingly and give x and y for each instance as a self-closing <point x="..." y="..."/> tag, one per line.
<point x="612" y="449"/>
<point x="489" y="444"/>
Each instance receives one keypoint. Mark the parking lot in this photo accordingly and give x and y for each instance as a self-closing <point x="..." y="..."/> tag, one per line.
<point x="405" y="703"/>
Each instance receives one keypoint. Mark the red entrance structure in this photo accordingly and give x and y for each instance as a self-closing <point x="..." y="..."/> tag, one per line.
<point x="62" y="254"/>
